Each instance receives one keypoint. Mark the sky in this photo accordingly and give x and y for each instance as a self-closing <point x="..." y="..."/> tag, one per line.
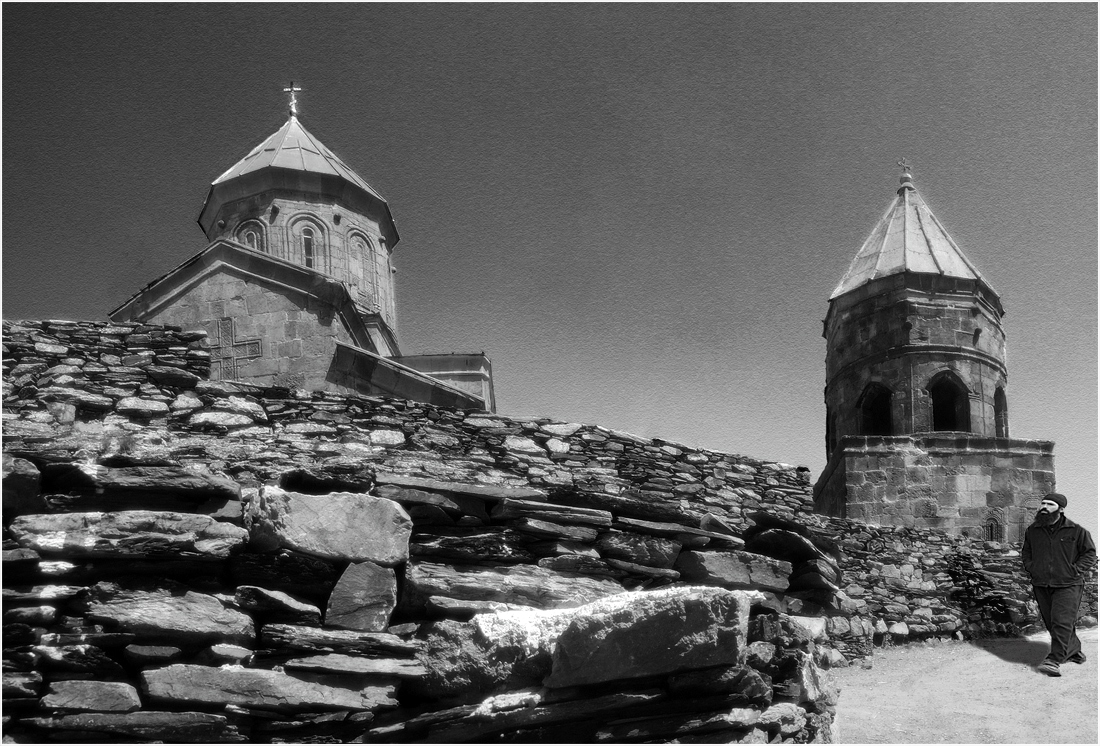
<point x="637" y="211"/>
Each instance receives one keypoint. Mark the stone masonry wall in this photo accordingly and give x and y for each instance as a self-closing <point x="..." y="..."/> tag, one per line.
<point x="986" y="487"/>
<point x="231" y="562"/>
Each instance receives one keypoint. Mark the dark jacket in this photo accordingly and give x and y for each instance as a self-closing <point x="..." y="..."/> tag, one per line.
<point x="1058" y="556"/>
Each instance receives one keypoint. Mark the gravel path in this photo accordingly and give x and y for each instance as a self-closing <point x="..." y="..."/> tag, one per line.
<point x="961" y="692"/>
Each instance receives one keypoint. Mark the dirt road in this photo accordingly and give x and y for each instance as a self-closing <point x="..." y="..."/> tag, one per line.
<point x="961" y="692"/>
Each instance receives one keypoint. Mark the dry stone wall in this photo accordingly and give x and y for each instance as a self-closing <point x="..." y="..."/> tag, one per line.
<point x="211" y="561"/>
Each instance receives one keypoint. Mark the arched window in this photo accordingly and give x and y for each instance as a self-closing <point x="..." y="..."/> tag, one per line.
<point x="251" y="234"/>
<point x="994" y="531"/>
<point x="307" y="246"/>
<point x="1000" y="412"/>
<point x="363" y="256"/>
<point x="950" y="403"/>
<point x="874" y="410"/>
<point x="307" y="243"/>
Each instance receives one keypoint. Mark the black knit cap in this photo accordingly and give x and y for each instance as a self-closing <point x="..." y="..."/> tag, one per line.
<point x="1056" y="497"/>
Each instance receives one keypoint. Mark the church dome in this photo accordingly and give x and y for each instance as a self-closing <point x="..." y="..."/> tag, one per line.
<point x="293" y="159"/>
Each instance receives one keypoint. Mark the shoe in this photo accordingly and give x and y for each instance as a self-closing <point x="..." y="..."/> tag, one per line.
<point x="1050" y="668"/>
<point x="1078" y="658"/>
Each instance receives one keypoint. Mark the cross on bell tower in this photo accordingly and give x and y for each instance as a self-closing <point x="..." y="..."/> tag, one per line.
<point x="293" y="99"/>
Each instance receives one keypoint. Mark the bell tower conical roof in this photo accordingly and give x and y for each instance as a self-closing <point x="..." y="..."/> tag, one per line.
<point x="908" y="238"/>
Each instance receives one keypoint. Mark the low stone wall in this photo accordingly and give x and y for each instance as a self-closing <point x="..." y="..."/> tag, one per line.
<point x="269" y="564"/>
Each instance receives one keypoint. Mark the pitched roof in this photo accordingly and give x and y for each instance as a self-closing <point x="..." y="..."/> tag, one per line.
<point x="293" y="147"/>
<point x="908" y="238"/>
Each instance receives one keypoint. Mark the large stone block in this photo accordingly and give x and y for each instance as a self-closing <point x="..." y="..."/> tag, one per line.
<point x="647" y="634"/>
<point x="363" y="599"/>
<point x="734" y="570"/>
<point x="128" y="534"/>
<point x="340" y="526"/>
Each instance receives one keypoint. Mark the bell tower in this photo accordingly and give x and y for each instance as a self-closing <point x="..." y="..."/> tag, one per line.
<point x="917" y="429"/>
<point x="914" y="336"/>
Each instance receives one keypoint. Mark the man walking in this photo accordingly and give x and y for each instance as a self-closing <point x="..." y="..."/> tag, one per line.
<point x="1058" y="555"/>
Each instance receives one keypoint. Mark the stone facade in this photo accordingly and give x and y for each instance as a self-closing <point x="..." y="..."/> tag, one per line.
<point x="344" y="244"/>
<point x="891" y="341"/>
<point x="260" y="329"/>
<point x="988" y="488"/>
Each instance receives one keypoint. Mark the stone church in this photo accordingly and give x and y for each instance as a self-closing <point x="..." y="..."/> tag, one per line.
<point x="296" y="285"/>
<point x="916" y="382"/>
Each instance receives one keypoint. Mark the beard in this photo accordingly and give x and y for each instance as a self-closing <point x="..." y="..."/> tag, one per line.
<point x="1043" y="518"/>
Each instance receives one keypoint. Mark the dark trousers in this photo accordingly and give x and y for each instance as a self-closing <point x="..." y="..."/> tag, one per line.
<point x="1059" y="609"/>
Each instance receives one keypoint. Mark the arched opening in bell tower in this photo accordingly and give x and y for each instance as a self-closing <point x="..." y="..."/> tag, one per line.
<point x="950" y="403"/>
<point x="874" y="410"/>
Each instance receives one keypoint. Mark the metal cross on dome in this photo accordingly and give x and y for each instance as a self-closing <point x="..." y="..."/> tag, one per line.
<point x="904" y="165"/>
<point x="293" y="99"/>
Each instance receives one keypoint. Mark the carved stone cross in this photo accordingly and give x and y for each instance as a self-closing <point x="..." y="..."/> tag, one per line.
<point x="227" y="353"/>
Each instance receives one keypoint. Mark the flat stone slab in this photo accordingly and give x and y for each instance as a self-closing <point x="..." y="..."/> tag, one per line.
<point x="521" y="584"/>
<point x="453" y="503"/>
<point x="276" y="606"/>
<point x="167" y="727"/>
<point x="400" y="668"/>
<point x="257" y="688"/>
<point x="130" y="534"/>
<point x="345" y="526"/>
<point x="734" y="569"/>
<point x="489" y="492"/>
<point x="92" y="696"/>
<point x="513" y="508"/>
<point x="167" y="611"/>
<point x="294" y="637"/>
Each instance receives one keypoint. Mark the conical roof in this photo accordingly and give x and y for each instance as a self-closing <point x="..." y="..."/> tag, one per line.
<point x="292" y="158"/>
<point x="908" y="238"/>
<point x="293" y="147"/>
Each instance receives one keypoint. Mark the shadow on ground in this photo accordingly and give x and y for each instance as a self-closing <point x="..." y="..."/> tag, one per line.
<point x="1029" y="652"/>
